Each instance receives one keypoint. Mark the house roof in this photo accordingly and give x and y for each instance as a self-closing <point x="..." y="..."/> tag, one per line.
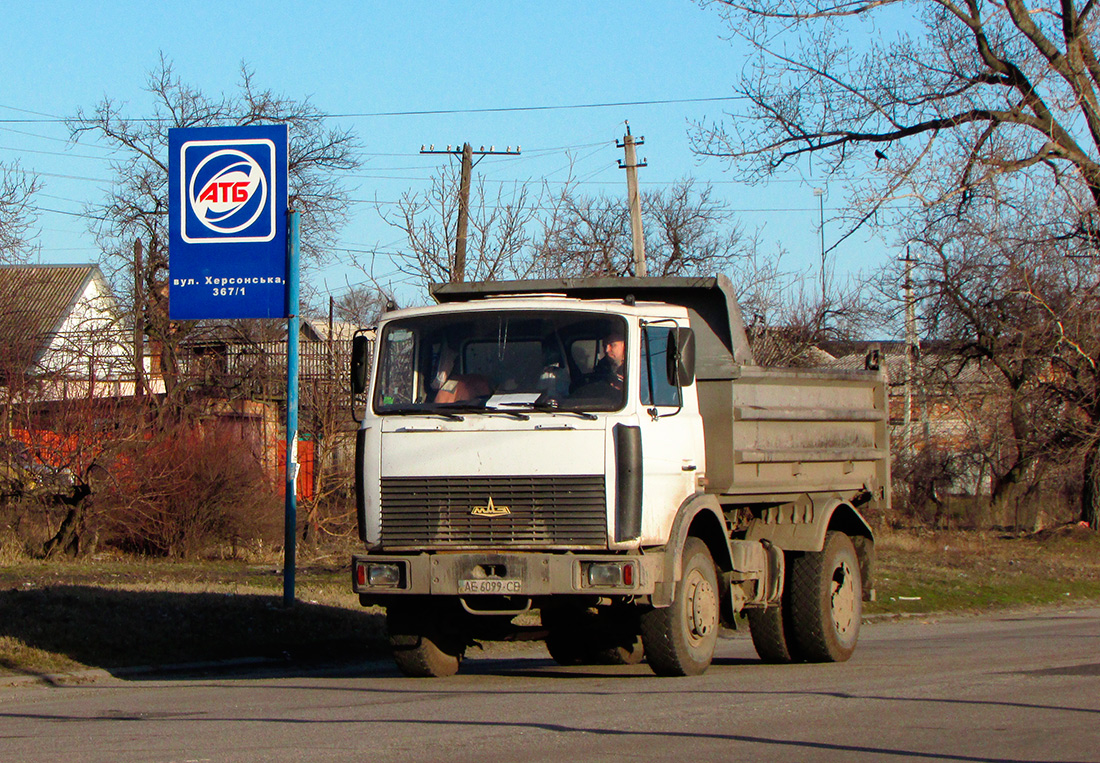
<point x="341" y="330"/>
<point x="937" y="363"/>
<point x="35" y="300"/>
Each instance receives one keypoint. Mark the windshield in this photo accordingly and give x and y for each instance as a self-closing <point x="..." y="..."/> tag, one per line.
<point x="502" y="361"/>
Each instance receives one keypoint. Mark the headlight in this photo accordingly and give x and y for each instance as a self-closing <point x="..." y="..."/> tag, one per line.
<point x="384" y="575"/>
<point x="610" y="575"/>
<point x="378" y="574"/>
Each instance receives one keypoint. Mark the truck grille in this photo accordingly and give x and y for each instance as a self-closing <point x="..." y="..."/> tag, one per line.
<point x="536" y="511"/>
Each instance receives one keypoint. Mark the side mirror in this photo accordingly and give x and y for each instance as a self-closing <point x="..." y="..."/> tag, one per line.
<point x="680" y="357"/>
<point x="360" y="363"/>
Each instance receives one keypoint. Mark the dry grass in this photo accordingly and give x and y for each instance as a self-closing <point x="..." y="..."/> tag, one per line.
<point x="976" y="571"/>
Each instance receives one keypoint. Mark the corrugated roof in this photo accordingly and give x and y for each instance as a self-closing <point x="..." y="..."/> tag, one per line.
<point x="935" y="366"/>
<point x="34" y="300"/>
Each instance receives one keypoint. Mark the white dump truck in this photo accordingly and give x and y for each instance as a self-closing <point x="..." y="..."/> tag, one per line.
<point x="605" y="453"/>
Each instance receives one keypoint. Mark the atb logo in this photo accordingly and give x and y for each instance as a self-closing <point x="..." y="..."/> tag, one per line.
<point x="227" y="191"/>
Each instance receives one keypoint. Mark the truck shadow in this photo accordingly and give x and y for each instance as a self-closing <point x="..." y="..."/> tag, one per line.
<point x="118" y="630"/>
<point x="54" y="632"/>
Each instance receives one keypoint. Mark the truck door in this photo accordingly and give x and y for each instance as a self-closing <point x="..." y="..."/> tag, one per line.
<point x="671" y="430"/>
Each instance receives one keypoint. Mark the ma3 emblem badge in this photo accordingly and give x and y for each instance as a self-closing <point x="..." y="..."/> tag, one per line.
<point x="491" y="510"/>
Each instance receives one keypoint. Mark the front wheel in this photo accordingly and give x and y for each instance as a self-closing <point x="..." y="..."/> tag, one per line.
<point x="421" y="648"/>
<point x="826" y="603"/>
<point x="679" y="639"/>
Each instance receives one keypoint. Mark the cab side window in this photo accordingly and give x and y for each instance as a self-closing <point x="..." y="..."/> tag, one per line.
<point x="655" y="387"/>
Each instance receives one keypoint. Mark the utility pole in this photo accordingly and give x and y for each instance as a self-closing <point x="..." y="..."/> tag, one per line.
<point x="139" y="321"/>
<point x="911" y="348"/>
<point x="631" y="165"/>
<point x="820" y="194"/>
<point x="458" y="271"/>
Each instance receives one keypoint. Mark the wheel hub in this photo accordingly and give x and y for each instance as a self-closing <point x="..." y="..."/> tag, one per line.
<point x="843" y="598"/>
<point x="702" y="607"/>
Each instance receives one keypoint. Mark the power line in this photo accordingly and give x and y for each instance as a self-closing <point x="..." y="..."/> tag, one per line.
<point x="28" y="111"/>
<point x="542" y="208"/>
<point x="507" y="109"/>
<point x="25" y="171"/>
<point x="66" y="154"/>
<point x="721" y="208"/>
<point x="85" y="215"/>
<point x="439" y="112"/>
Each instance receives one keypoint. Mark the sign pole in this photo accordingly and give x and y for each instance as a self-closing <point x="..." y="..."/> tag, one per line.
<point x="290" y="535"/>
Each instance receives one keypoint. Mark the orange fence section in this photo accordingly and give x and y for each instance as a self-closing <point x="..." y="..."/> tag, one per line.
<point x="305" y="466"/>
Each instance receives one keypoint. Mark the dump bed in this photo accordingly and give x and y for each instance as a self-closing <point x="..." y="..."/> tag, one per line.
<point x="771" y="433"/>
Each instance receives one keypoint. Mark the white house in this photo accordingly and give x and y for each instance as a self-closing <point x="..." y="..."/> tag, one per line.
<point x="62" y="333"/>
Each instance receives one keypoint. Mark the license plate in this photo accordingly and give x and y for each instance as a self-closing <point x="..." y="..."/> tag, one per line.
<point x="490" y="585"/>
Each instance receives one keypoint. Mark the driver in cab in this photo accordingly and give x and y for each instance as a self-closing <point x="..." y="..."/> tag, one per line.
<point x="609" y="369"/>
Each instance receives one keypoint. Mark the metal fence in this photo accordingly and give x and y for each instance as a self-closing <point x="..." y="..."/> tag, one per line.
<point x="258" y="369"/>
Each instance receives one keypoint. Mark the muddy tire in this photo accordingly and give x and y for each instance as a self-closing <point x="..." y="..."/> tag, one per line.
<point x="623" y="654"/>
<point x="420" y="647"/>
<point x="679" y="639"/>
<point x="587" y="637"/>
<point x="566" y="648"/>
<point x="770" y="634"/>
<point x="826" y="601"/>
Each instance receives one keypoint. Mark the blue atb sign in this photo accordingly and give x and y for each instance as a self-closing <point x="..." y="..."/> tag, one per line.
<point x="227" y="205"/>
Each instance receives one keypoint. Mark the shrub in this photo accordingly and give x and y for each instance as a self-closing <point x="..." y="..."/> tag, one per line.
<point x="921" y="480"/>
<point x="188" y="490"/>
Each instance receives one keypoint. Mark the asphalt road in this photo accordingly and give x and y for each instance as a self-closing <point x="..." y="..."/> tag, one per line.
<point x="1019" y="687"/>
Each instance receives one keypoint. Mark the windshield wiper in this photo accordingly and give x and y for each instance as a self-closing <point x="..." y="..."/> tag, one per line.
<point x="513" y="414"/>
<point x="551" y="408"/>
<point x="489" y="410"/>
<point x="476" y="410"/>
<point x="423" y="412"/>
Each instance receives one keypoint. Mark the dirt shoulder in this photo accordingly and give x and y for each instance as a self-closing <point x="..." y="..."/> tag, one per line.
<point x="61" y="617"/>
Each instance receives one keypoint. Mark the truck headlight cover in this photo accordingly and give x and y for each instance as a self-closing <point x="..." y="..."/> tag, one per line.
<point x="379" y="574"/>
<point x="610" y="575"/>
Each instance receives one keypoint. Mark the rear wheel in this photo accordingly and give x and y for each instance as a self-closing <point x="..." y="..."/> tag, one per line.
<point x="826" y="602"/>
<point x="567" y="648"/>
<point x="421" y="647"/>
<point x="770" y="634"/>
<point x="772" y="629"/>
<point x="679" y="639"/>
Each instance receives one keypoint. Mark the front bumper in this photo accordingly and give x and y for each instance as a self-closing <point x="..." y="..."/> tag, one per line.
<point x="529" y="574"/>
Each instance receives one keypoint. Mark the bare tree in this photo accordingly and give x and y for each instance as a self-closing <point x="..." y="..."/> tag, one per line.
<point x="17" y="189"/>
<point x="360" y="305"/>
<point x="687" y="232"/>
<point x="690" y="232"/>
<point x="137" y="205"/>
<point x="592" y="238"/>
<point x="519" y="233"/>
<point x="1004" y="292"/>
<point x="966" y="92"/>
<point x="497" y="238"/>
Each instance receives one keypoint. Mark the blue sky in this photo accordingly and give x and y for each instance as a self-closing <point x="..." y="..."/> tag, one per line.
<point x="367" y="58"/>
